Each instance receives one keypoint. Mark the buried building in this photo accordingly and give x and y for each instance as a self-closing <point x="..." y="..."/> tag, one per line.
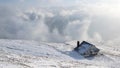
<point x="86" y="49"/>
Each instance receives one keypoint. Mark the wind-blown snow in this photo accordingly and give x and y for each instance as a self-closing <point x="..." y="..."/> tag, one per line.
<point x="32" y="54"/>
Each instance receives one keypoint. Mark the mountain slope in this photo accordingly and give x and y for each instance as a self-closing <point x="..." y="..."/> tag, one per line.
<point x="33" y="54"/>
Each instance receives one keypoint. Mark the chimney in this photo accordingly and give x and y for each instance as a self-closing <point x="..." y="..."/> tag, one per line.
<point x="78" y="44"/>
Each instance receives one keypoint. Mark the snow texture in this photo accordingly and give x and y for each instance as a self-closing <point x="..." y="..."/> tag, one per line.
<point x="33" y="54"/>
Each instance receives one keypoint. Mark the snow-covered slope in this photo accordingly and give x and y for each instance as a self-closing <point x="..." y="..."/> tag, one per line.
<point x="33" y="54"/>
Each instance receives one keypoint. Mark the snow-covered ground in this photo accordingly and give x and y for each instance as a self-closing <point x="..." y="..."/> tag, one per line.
<point x="33" y="54"/>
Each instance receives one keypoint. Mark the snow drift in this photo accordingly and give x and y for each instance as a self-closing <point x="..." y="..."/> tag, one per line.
<point x="32" y="54"/>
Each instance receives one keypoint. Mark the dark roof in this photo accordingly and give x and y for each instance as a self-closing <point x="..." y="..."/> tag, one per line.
<point x="84" y="42"/>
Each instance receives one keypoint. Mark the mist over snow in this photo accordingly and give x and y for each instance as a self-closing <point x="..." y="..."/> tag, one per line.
<point x="80" y="20"/>
<point x="43" y="33"/>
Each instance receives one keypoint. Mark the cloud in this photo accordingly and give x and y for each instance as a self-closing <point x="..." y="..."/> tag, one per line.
<point x="98" y="21"/>
<point x="40" y="24"/>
